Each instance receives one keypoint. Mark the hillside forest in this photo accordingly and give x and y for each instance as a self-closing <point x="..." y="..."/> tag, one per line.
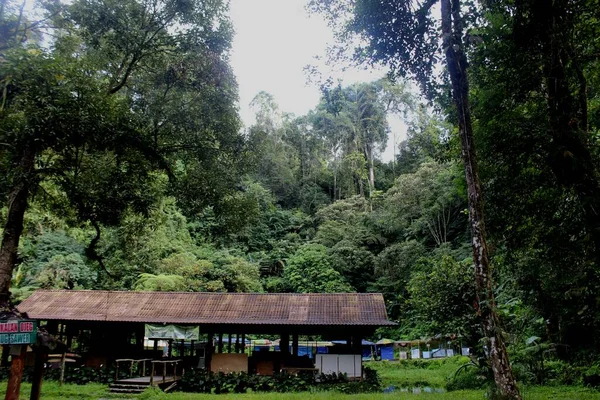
<point x="125" y="165"/>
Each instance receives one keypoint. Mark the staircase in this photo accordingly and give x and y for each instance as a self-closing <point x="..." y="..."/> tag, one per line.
<point x="127" y="388"/>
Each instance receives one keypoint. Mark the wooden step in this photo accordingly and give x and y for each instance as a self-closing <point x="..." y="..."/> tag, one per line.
<point x="125" y="388"/>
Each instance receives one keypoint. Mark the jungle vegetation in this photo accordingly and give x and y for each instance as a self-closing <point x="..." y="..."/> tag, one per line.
<point x="125" y="165"/>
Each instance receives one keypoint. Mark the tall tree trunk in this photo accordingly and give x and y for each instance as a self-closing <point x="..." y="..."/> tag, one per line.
<point x="571" y="160"/>
<point x="369" y="156"/>
<point x="17" y="204"/>
<point x="457" y="66"/>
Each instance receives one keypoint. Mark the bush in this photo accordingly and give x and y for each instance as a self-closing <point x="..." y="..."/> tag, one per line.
<point x="468" y="377"/>
<point x="197" y="381"/>
<point x="73" y="374"/>
<point x="208" y="382"/>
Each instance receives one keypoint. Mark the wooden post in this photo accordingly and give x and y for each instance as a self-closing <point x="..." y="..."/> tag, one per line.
<point x="13" y="388"/>
<point x="193" y="351"/>
<point x="244" y="342"/>
<point x="62" y="369"/>
<point x="139" y="338"/>
<point x="208" y="350"/>
<point x="284" y="344"/>
<point x="152" y="374"/>
<point x="295" y="344"/>
<point x="38" y="373"/>
<point x="229" y="343"/>
<point x="170" y="353"/>
<point x="356" y="345"/>
<point x="220" y="343"/>
<point x="237" y="343"/>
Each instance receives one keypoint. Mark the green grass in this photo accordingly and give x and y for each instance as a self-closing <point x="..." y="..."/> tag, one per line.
<point x="432" y="373"/>
<point x="51" y="391"/>
<point x="407" y="373"/>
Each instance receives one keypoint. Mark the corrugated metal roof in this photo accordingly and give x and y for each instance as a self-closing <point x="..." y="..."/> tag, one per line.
<point x="365" y="309"/>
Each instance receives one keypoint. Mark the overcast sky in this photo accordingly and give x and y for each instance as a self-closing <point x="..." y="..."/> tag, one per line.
<point x="274" y="41"/>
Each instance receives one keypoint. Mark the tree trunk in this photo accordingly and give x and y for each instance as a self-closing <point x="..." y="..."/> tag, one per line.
<point x="369" y="156"/>
<point x="17" y="204"/>
<point x="571" y="160"/>
<point x="457" y="68"/>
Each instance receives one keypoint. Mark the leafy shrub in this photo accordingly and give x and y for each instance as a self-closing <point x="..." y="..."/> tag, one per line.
<point x="208" y="382"/>
<point x="591" y="376"/>
<point x="73" y="374"/>
<point x="468" y="377"/>
<point x="198" y="381"/>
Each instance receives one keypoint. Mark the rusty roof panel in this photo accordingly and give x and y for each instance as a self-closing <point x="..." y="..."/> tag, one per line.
<point x="366" y="309"/>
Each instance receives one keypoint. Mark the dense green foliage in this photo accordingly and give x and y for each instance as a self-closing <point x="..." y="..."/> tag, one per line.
<point x="121" y="131"/>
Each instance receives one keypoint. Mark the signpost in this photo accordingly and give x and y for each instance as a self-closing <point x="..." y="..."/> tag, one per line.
<point x="17" y="334"/>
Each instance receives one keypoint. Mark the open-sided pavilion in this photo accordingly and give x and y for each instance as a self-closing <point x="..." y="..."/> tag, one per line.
<point x="112" y="322"/>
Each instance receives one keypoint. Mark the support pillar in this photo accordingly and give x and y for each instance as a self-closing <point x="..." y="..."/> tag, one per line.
<point x="237" y="343"/>
<point x="229" y="343"/>
<point x="284" y="344"/>
<point x="295" y="344"/>
<point x="41" y="353"/>
<point x="208" y="350"/>
<point x="244" y="342"/>
<point x="220" y="342"/>
<point x="139" y="338"/>
<point x="357" y="345"/>
<point x="13" y="388"/>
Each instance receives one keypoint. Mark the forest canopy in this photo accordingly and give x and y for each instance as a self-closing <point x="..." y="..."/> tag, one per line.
<point x="125" y="164"/>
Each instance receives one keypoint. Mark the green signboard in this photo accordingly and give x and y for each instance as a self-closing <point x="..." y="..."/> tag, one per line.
<point x="22" y="331"/>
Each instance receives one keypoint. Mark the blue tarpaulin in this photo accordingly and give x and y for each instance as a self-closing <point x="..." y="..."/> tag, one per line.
<point x="305" y="350"/>
<point x="387" y="352"/>
<point x="363" y="342"/>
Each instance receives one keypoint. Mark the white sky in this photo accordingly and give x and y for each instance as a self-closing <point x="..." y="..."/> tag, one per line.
<point x="274" y="41"/>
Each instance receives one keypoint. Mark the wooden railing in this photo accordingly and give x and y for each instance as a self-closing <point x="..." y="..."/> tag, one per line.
<point x="131" y="362"/>
<point x="164" y="364"/>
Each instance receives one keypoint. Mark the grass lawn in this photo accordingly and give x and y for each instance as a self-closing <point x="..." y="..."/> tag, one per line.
<point x="400" y="374"/>
<point x="52" y="391"/>
<point x="432" y="373"/>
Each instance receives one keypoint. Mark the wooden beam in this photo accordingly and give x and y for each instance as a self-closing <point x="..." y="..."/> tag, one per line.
<point x="295" y="344"/>
<point x="208" y="350"/>
<point x="284" y="343"/>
